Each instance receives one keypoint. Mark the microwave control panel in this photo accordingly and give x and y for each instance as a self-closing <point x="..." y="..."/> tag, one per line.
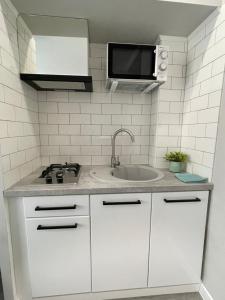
<point x="162" y="53"/>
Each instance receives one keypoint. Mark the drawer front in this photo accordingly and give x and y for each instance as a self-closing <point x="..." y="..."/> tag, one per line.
<point x="59" y="255"/>
<point x="56" y="206"/>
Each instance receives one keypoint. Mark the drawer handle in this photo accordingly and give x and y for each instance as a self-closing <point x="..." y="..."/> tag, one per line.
<point x="40" y="208"/>
<point x="42" y="227"/>
<point x="121" y="202"/>
<point x="182" y="200"/>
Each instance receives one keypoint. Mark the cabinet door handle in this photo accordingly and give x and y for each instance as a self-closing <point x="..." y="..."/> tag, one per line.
<point x="121" y="202"/>
<point x="39" y="208"/>
<point x="42" y="227"/>
<point x="182" y="200"/>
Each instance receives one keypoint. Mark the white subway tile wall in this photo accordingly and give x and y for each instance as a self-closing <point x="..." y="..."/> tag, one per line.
<point x="167" y="104"/>
<point x="78" y="126"/>
<point x="19" y="125"/>
<point x="204" y="79"/>
<point x="69" y="126"/>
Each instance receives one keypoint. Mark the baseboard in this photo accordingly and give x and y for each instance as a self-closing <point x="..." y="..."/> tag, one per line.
<point x="204" y="293"/>
<point x="127" y="293"/>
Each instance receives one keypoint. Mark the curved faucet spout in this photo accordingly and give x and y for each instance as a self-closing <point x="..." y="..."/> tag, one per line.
<point x="115" y="161"/>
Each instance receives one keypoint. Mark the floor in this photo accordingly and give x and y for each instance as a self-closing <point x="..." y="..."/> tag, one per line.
<point x="1" y="290"/>
<point x="188" y="296"/>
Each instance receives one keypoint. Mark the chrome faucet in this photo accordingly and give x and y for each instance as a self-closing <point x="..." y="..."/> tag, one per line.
<point x="115" y="160"/>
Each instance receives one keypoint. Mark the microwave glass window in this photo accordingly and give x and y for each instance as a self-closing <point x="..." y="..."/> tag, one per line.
<point x="132" y="62"/>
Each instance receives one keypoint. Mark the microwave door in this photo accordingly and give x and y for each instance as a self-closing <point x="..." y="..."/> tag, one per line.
<point x="128" y="61"/>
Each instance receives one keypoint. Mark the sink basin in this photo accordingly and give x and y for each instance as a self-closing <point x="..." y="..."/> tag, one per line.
<point x="135" y="173"/>
<point x="128" y="173"/>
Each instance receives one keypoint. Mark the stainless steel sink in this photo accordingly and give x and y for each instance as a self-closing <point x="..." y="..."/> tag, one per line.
<point x="129" y="173"/>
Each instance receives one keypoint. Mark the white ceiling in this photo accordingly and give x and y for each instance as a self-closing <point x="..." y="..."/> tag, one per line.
<point x="139" y="21"/>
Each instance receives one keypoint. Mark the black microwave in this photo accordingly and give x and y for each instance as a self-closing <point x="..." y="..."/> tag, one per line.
<point x="137" y="62"/>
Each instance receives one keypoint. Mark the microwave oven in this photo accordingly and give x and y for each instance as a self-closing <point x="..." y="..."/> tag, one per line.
<point x="136" y="67"/>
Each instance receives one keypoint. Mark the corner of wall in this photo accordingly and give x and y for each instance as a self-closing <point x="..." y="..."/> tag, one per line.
<point x="167" y="103"/>
<point x="204" y="78"/>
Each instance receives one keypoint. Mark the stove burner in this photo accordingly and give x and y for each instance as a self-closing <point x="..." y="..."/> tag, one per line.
<point x="60" y="173"/>
<point x="68" y="167"/>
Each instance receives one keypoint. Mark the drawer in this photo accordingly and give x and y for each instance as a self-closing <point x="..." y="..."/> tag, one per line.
<point x="56" y="206"/>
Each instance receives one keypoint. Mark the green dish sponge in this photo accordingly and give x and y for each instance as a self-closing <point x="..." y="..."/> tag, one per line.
<point x="191" y="178"/>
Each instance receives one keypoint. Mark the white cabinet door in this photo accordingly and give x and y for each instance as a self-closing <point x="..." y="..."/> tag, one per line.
<point x="177" y="238"/>
<point x="59" y="255"/>
<point x="120" y="226"/>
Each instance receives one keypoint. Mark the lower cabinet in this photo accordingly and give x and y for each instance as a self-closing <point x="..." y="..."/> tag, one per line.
<point x="59" y="255"/>
<point x="120" y="227"/>
<point x="177" y="238"/>
<point x="135" y="240"/>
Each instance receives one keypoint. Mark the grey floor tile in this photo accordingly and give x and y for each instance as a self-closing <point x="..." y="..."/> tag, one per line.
<point x="187" y="296"/>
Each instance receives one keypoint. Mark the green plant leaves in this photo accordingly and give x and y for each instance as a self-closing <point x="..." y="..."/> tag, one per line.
<point x="176" y="156"/>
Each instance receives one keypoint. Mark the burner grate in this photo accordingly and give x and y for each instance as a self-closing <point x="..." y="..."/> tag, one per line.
<point x="60" y="173"/>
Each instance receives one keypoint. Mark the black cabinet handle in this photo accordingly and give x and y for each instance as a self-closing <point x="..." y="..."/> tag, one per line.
<point x="39" y="208"/>
<point x="182" y="200"/>
<point x="121" y="202"/>
<point x="42" y="227"/>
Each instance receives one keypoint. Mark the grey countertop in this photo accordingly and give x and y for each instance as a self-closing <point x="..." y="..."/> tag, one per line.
<point x="89" y="185"/>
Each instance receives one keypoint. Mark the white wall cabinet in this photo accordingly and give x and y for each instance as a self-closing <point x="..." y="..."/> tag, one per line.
<point x="177" y="238"/>
<point x="59" y="255"/>
<point x="120" y="226"/>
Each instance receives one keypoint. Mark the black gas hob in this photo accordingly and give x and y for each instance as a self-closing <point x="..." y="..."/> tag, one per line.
<point x="59" y="173"/>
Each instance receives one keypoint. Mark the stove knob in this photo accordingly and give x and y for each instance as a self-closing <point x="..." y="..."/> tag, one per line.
<point x="164" y="54"/>
<point x="60" y="180"/>
<point x="163" y="67"/>
<point x="48" y="179"/>
<point x="59" y="176"/>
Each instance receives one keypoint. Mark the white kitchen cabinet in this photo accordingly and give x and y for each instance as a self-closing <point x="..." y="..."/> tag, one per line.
<point x="120" y="226"/>
<point x="59" y="255"/>
<point x="177" y="238"/>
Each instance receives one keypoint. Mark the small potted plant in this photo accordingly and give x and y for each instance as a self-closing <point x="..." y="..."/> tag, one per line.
<point x="177" y="161"/>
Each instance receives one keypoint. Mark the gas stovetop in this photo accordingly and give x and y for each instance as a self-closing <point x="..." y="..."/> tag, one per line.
<point x="59" y="173"/>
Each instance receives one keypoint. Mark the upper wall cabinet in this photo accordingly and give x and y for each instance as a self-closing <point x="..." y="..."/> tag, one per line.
<point x="53" y="52"/>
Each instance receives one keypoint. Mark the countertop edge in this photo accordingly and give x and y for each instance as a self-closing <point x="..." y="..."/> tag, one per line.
<point x="111" y="190"/>
<point x="88" y="185"/>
